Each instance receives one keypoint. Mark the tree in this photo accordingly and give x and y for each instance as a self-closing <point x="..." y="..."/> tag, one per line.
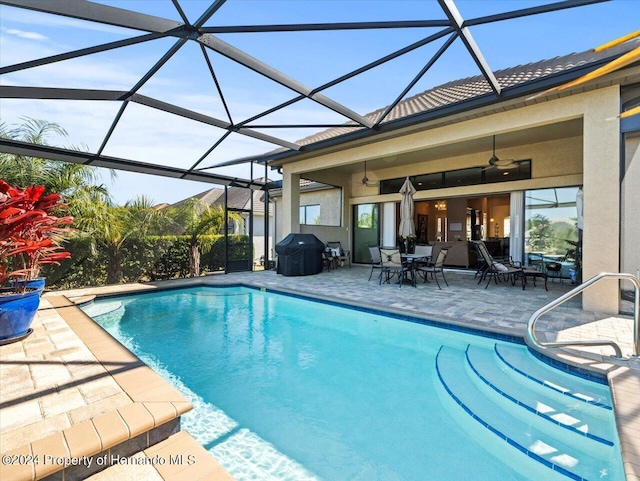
<point x="74" y="182"/>
<point x="198" y="219"/>
<point x="540" y="233"/>
<point x="109" y="226"/>
<point x="365" y="220"/>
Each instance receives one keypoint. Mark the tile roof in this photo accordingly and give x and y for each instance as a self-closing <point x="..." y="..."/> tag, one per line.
<point x="467" y="88"/>
<point x="237" y="198"/>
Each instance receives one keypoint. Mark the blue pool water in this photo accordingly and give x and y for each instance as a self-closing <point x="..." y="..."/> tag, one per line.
<point x="290" y="389"/>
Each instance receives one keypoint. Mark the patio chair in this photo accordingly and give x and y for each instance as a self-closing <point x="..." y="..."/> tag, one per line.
<point x="426" y="251"/>
<point x="328" y="261"/>
<point x="497" y="269"/>
<point x="376" y="260"/>
<point x="339" y="253"/>
<point x="435" y="268"/>
<point x="392" y="265"/>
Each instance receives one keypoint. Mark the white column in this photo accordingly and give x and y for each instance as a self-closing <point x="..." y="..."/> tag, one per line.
<point x="389" y="233"/>
<point x="290" y="202"/>
<point x="601" y="181"/>
<point x="516" y="237"/>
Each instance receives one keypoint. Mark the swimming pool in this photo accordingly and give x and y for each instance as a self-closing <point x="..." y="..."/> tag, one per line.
<point x="291" y="389"/>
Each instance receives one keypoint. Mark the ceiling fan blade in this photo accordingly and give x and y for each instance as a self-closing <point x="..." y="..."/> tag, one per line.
<point x="507" y="164"/>
<point x="368" y="183"/>
<point x="501" y="164"/>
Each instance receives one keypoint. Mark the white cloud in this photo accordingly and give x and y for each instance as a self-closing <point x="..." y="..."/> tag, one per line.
<point x="86" y="122"/>
<point x="101" y="71"/>
<point x="23" y="34"/>
<point x="32" y="18"/>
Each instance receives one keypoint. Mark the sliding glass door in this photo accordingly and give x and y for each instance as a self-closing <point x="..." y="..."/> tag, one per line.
<point x="551" y="241"/>
<point x="366" y="231"/>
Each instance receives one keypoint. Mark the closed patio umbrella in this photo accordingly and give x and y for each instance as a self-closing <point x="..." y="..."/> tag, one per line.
<point x="407" y="227"/>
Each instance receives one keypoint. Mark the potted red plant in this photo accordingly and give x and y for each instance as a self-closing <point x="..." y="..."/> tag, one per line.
<point x="30" y="236"/>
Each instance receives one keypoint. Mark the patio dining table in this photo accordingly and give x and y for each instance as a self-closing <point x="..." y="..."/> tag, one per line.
<point x="412" y="260"/>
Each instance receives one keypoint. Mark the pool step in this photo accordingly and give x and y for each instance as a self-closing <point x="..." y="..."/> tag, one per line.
<point x="569" y="454"/>
<point x="521" y="364"/>
<point x="94" y="310"/>
<point x="556" y="410"/>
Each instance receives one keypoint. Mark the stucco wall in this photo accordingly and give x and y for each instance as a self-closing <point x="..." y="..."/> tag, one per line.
<point x="331" y="213"/>
<point x="328" y="234"/>
<point x="330" y="205"/>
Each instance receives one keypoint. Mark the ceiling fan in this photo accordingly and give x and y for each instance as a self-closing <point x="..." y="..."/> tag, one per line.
<point x="500" y="164"/>
<point x="365" y="180"/>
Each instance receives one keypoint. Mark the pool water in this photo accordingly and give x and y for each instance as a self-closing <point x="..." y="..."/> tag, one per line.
<point x="291" y="389"/>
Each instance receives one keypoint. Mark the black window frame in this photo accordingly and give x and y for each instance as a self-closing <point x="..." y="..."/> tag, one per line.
<point x="456" y="178"/>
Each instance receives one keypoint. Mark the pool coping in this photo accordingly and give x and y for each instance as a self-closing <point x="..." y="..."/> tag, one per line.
<point x="151" y="417"/>
<point x="623" y="381"/>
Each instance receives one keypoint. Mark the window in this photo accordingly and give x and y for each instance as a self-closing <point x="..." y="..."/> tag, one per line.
<point x="310" y="214"/>
<point x="429" y="181"/>
<point x="458" y="178"/>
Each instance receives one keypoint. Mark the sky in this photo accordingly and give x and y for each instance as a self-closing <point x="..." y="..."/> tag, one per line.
<point x="311" y="58"/>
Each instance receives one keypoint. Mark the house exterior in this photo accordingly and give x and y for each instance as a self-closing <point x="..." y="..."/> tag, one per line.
<point x="320" y="211"/>
<point x="239" y="200"/>
<point x="560" y="143"/>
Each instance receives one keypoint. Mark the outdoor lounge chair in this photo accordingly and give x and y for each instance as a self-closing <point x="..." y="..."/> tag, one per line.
<point x="392" y="265"/>
<point x="339" y="253"/>
<point x="507" y="270"/>
<point x="435" y="268"/>
<point x="496" y="269"/>
<point x="376" y="260"/>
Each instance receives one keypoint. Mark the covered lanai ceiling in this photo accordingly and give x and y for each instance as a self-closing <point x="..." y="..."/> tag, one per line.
<point x="227" y="81"/>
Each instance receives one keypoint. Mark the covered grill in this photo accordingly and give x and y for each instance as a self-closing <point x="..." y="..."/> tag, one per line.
<point x="299" y="255"/>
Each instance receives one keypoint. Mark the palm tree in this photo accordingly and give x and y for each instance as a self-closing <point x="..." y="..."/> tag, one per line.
<point x="109" y="226"/>
<point x="74" y="182"/>
<point x="199" y="221"/>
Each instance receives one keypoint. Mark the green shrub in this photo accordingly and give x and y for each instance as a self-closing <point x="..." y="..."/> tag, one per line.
<point x="149" y="258"/>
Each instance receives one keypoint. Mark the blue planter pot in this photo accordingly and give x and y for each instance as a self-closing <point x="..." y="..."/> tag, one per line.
<point x="16" y="313"/>
<point x="37" y="283"/>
